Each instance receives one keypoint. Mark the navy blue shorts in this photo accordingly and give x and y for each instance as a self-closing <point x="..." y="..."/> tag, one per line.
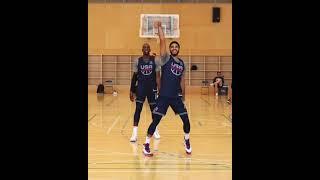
<point x="152" y="96"/>
<point x="175" y="103"/>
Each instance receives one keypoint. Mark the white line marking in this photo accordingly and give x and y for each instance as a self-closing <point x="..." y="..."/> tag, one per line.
<point x="114" y="123"/>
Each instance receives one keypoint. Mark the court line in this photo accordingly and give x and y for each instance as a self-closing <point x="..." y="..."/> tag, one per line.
<point x="229" y="120"/>
<point x="125" y="124"/>
<point x="178" y="158"/>
<point x="114" y="123"/>
<point x="160" y="152"/>
<point x="112" y="100"/>
<point x="205" y="101"/>
<point x="92" y="117"/>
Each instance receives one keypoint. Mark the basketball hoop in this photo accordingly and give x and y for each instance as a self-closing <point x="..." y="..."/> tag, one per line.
<point x="170" y="25"/>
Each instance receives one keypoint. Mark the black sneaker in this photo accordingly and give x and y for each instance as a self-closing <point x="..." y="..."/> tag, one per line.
<point x="146" y="150"/>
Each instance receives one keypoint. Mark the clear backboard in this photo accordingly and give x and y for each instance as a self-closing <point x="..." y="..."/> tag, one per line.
<point x="169" y="22"/>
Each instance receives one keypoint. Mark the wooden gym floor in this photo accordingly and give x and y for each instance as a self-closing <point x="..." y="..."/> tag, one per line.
<point x="112" y="156"/>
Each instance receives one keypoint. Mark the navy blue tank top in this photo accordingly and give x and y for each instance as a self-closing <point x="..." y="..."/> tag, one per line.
<point x="171" y="73"/>
<point x="146" y="74"/>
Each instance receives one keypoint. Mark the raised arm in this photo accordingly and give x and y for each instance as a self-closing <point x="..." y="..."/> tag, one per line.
<point x="158" y="80"/>
<point x="161" y="37"/>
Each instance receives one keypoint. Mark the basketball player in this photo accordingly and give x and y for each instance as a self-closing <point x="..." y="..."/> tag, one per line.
<point x="147" y="75"/>
<point x="172" y="82"/>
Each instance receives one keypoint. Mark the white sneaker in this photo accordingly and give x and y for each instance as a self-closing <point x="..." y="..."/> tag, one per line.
<point x="133" y="138"/>
<point x="187" y="146"/>
<point x="156" y="134"/>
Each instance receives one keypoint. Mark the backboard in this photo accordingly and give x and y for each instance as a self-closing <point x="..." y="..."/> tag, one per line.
<point x="169" y="22"/>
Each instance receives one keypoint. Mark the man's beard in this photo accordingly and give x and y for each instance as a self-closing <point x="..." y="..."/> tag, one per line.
<point x="175" y="54"/>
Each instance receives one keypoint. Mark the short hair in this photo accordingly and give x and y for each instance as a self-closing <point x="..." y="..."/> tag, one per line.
<point x="174" y="42"/>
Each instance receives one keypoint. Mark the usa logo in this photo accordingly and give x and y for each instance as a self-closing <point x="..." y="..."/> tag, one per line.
<point x="146" y="69"/>
<point x="176" y="69"/>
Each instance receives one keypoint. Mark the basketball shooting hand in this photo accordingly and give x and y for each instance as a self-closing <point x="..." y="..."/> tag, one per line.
<point x="157" y="24"/>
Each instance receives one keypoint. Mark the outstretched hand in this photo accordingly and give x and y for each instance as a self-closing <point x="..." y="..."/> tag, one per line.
<point x="157" y="24"/>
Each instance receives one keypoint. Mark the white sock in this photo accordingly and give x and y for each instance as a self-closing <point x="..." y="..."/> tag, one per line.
<point x="157" y="130"/>
<point x="148" y="140"/>
<point x="186" y="136"/>
<point x="135" y="130"/>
